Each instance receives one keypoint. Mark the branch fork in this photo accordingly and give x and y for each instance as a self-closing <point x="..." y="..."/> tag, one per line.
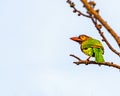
<point x="94" y="15"/>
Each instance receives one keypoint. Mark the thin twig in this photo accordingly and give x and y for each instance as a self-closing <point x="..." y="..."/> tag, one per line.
<point x="72" y="5"/>
<point x="104" y="39"/>
<point x="75" y="57"/>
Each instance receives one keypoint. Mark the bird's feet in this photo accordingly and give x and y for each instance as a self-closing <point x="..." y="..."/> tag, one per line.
<point x="87" y="60"/>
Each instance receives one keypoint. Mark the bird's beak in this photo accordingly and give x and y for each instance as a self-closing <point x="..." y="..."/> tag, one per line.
<point x="75" y="39"/>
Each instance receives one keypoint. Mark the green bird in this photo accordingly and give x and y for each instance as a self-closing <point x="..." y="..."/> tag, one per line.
<point x="91" y="47"/>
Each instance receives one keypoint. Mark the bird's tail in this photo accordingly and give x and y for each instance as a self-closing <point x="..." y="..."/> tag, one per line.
<point x="98" y="55"/>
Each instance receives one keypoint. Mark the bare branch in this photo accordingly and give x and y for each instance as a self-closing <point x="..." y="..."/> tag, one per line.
<point x="109" y="64"/>
<point x="102" y="35"/>
<point x="101" y="20"/>
<point x="94" y="16"/>
<point x="72" y="5"/>
<point x="75" y="57"/>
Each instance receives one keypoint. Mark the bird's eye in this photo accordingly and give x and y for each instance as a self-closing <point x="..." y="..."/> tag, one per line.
<point x="85" y="48"/>
<point x="83" y="37"/>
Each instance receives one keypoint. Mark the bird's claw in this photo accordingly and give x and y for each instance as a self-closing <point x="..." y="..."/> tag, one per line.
<point x="87" y="61"/>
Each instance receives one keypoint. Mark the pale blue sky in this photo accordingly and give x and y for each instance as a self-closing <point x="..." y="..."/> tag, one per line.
<point x="35" y="48"/>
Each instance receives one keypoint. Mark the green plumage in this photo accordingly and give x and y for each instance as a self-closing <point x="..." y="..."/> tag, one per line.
<point x="93" y="48"/>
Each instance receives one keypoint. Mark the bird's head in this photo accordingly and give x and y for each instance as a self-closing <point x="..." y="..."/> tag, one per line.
<point x="80" y="38"/>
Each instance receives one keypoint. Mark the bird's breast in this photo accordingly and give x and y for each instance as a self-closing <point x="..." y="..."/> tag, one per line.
<point x="87" y="51"/>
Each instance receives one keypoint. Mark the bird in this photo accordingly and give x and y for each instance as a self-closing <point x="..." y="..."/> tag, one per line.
<point x="91" y="47"/>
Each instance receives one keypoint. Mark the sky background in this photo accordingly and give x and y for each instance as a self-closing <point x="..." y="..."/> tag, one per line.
<point x="35" y="48"/>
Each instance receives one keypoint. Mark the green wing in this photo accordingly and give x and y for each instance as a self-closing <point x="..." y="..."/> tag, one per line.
<point x="92" y="43"/>
<point x="93" y="47"/>
<point x="98" y="55"/>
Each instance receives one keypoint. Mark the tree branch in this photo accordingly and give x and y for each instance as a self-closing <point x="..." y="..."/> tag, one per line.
<point x="101" y="20"/>
<point x="94" y="16"/>
<point x="109" y="64"/>
<point x="94" y="19"/>
<point x="72" y="5"/>
<point x="98" y="27"/>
